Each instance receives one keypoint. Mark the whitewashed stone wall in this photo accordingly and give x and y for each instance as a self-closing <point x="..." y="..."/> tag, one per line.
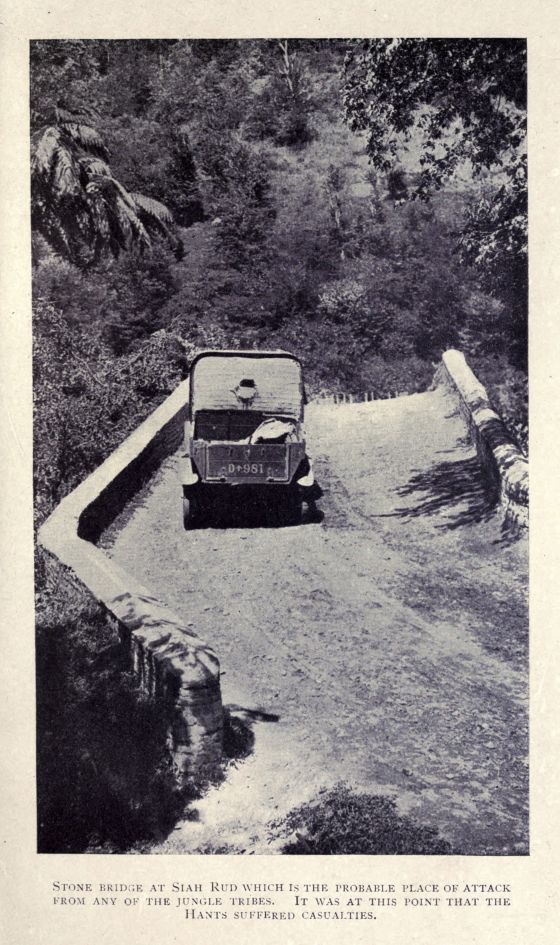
<point x="500" y="456"/>
<point x="171" y="662"/>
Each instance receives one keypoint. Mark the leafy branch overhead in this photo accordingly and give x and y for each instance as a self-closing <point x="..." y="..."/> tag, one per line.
<point x="77" y="204"/>
<point x="462" y="103"/>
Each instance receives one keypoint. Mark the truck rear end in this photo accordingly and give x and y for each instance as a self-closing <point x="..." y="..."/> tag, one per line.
<point x="245" y="431"/>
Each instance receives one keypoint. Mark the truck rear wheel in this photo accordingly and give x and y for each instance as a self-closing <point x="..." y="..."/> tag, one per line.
<point x="288" y="509"/>
<point x="191" y="512"/>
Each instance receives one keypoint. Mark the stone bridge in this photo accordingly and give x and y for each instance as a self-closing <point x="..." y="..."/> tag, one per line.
<point x="385" y="646"/>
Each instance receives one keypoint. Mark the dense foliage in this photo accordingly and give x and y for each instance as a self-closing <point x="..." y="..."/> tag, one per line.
<point x="340" y="821"/>
<point x="87" y="400"/>
<point x="465" y="103"/>
<point x="234" y="193"/>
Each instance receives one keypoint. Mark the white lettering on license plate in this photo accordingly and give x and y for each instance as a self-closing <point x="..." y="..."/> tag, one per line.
<point x="245" y="469"/>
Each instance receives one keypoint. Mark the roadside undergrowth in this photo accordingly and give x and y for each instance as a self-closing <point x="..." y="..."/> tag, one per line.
<point x="340" y="821"/>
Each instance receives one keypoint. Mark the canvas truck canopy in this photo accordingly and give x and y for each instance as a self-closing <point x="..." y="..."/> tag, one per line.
<point x="268" y="382"/>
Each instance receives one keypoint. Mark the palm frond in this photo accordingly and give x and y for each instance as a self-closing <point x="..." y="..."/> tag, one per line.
<point x="65" y="175"/>
<point x="153" y="209"/>
<point x="87" y="137"/>
<point x="157" y="218"/>
<point x="127" y="213"/>
<point x="95" y="167"/>
<point x="109" y="185"/>
<point x="77" y="205"/>
<point x="85" y="114"/>
<point x="125" y="196"/>
<point x="51" y="227"/>
<point x="44" y="146"/>
<point x="126" y="226"/>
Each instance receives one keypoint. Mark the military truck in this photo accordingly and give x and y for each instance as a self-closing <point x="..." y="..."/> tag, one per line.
<point x="245" y="445"/>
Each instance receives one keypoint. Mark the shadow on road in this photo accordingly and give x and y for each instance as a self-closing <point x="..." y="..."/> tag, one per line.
<point x="239" y="738"/>
<point x="257" y="515"/>
<point x="459" y="490"/>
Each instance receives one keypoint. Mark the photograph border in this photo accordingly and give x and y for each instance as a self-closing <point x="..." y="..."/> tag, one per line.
<point x="26" y="890"/>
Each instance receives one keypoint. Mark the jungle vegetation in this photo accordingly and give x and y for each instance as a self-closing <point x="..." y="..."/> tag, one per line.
<point x="361" y="203"/>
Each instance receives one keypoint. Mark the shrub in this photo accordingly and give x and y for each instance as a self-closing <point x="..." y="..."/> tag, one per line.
<point x="340" y="821"/>
<point x="86" y="401"/>
<point x="139" y="285"/>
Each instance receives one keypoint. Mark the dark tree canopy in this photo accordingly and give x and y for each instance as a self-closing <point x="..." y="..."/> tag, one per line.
<point x="466" y="98"/>
<point x="463" y="102"/>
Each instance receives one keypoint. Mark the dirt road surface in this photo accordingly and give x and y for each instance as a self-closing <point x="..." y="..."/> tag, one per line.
<point x="385" y="646"/>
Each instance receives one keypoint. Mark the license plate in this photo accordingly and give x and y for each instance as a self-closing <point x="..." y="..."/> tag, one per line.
<point x="248" y="463"/>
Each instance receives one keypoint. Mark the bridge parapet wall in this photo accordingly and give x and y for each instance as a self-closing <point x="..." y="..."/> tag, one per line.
<point x="171" y="663"/>
<point x="500" y="456"/>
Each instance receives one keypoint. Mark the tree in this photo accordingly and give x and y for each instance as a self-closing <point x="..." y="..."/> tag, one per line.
<point x="464" y="104"/>
<point x="281" y="109"/>
<point x="465" y="97"/>
<point x="236" y="188"/>
<point x="77" y="204"/>
<point x="182" y="184"/>
<point x="295" y="129"/>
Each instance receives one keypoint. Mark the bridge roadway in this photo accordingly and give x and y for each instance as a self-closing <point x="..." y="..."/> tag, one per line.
<point x="385" y="646"/>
